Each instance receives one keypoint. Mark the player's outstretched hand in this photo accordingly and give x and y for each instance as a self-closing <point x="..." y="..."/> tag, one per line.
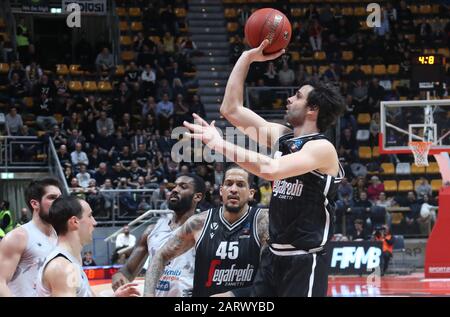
<point x="128" y="290"/>
<point x="203" y="131"/>
<point x="257" y="54"/>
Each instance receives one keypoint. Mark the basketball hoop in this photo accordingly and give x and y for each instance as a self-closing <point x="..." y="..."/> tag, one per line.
<point x="420" y="150"/>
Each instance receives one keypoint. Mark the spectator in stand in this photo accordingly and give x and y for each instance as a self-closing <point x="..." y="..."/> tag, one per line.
<point x="72" y="122"/>
<point x="75" y="188"/>
<point x="424" y="188"/>
<point x="164" y="111"/>
<point x="427" y="217"/>
<point x="376" y="94"/>
<point x="271" y="75"/>
<point x="384" y="27"/>
<point x="412" y="215"/>
<point x="74" y="138"/>
<point x="135" y="171"/>
<point x="13" y="121"/>
<point x="142" y="156"/>
<point x="16" y="68"/>
<point x="286" y="76"/>
<point x="332" y="73"/>
<point x="117" y="173"/>
<point x="105" y="122"/>
<point x="384" y="235"/>
<point x="343" y="209"/>
<point x="105" y="144"/>
<point x="105" y="64"/>
<point x="356" y="74"/>
<point x="83" y="176"/>
<point x="178" y="87"/>
<point x="33" y="74"/>
<point x="148" y="78"/>
<point x="132" y="76"/>
<point x="88" y="260"/>
<point x="362" y="208"/>
<point x="315" y="35"/>
<point x="375" y="188"/>
<point x="181" y="110"/>
<point x="64" y="156"/>
<point x="139" y="41"/>
<point x="125" y="242"/>
<point x="101" y="174"/>
<point x="345" y="188"/>
<point x="125" y="157"/>
<point x="16" y="89"/>
<point x="78" y="156"/>
<point x="168" y="41"/>
<point x="360" y="95"/>
<point x="348" y="146"/>
<point x="159" y="195"/>
<point x="148" y="107"/>
<point x="359" y="233"/>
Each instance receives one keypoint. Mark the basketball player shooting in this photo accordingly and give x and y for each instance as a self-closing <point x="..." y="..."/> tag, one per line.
<point x="305" y="170"/>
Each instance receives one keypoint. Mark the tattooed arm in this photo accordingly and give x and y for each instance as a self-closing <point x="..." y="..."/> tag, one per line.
<point x="183" y="240"/>
<point x="262" y="223"/>
<point x="134" y="263"/>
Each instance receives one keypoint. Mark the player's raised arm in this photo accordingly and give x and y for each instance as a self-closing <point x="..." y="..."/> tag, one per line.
<point x="11" y="249"/>
<point x="182" y="241"/>
<point x="232" y="108"/>
<point x="135" y="262"/>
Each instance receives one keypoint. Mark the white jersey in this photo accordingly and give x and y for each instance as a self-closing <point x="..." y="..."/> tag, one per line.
<point x="23" y="282"/>
<point x="177" y="279"/>
<point x="83" y="288"/>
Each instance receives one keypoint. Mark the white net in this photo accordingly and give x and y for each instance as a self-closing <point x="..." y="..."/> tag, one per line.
<point x="420" y="151"/>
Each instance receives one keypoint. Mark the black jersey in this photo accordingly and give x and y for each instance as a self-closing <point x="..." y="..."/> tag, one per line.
<point x="227" y="255"/>
<point x="301" y="207"/>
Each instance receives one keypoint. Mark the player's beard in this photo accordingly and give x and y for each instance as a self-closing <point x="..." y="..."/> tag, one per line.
<point x="44" y="216"/>
<point x="234" y="209"/>
<point x="182" y="205"/>
<point x="296" y="118"/>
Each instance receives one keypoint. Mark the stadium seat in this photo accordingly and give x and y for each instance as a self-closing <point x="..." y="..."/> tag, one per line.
<point x="432" y="168"/>
<point x="411" y="38"/>
<point x="375" y="152"/>
<point x="180" y="12"/>
<point x="75" y="86"/>
<point x="444" y="51"/>
<point x="403" y="169"/>
<point x="393" y="69"/>
<point x="395" y="84"/>
<point x="296" y="12"/>
<point x="362" y="135"/>
<point x="59" y="117"/>
<point x="155" y="39"/>
<point x="436" y="184"/>
<point x="135" y="12"/>
<point x="62" y="69"/>
<point x="126" y="40"/>
<point x="2" y="23"/>
<point x="104" y="86"/>
<point x="121" y="12"/>
<point x="349" y="68"/>
<point x="429" y="51"/>
<point x="90" y="86"/>
<point x="75" y="70"/>
<point x="322" y="69"/>
<point x="388" y="168"/>
<point x="417" y="169"/>
<point x="405" y="185"/>
<point x="348" y="11"/>
<point x="379" y="70"/>
<point x="4" y="68"/>
<point x="320" y="56"/>
<point x="390" y="186"/>
<point x="127" y="56"/>
<point x="232" y="27"/>
<point x="136" y="26"/>
<point x="295" y="56"/>
<point x="435" y="8"/>
<point x="365" y="152"/>
<point x="120" y="71"/>
<point x="425" y="9"/>
<point x="367" y="69"/>
<point x="347" y="55"/>
<point x="28" y="102"/>
<point x="363" y="118"/>
<point x="360" y="11"/>
<point x="414" y="9"/>
<point x="123" y="26"/>
<point x="230" y="13"/>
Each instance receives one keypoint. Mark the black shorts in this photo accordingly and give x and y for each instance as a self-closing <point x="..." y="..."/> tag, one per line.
<point x="303" y="275"/>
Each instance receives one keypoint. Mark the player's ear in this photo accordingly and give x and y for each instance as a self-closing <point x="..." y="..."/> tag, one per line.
<point x="221" y="190"/>
<point x="252" y="193"/>
<point x="35" y="204"/>
<point x="73" y="223"/>
<point x="198" y="197"/>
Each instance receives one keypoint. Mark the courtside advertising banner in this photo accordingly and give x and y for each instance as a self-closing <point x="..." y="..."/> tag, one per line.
<point x="35" y="6"/>
<point x="97" y="7"/>
<point x="354" y="257"/>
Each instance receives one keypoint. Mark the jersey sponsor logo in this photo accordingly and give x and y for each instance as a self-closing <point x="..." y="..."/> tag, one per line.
<point x="231" y="277"/>
<point x="214" y="226"/>
<point x="356" y="256"/>
<point x="171" y="275"/>
<point x="163" y="286"/>
<point x="287" y="190"/>
<point x="245" y="231"/>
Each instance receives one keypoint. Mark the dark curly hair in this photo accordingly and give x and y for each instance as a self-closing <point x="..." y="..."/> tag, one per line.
<point x="327" y="98"/>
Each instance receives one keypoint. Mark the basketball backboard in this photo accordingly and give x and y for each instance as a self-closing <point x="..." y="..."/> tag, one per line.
<point x="414" y="120"/>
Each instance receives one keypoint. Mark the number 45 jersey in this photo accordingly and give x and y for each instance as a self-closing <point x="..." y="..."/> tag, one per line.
<point x="227" y="255"/>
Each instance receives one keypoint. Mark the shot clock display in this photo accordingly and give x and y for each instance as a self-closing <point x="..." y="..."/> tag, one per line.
<point x="428" y="71"/>
<point x="428" y="60"/>
<point x="101" y="272"/>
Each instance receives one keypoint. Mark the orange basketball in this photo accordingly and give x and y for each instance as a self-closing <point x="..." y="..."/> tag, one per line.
<point x="269" y="24"/>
